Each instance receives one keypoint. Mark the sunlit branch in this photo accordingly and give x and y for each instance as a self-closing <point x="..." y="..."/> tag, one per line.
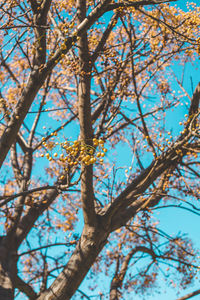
<point x="190" y="295"/>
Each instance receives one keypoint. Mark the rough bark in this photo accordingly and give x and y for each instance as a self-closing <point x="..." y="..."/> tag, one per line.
<point x="8" y="270"/>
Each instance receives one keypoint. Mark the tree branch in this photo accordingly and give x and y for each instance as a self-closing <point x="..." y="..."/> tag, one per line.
<point x="135" y="4"/>
<point x="190" y="295"/>
<point x="104" y="37"/>
<point x="25" y="288"/>
<point x="84" y="107"/>
<point x="118" y="278"/>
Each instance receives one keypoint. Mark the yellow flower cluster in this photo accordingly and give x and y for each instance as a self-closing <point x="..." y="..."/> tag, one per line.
<point x="78" y="152"/>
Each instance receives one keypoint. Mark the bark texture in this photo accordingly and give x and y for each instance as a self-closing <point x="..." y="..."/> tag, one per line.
<point x="8" y="270"/>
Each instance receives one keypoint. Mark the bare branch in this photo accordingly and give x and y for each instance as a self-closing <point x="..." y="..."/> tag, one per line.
<point x="136" y="4"/>
<point x="190" y="295"/>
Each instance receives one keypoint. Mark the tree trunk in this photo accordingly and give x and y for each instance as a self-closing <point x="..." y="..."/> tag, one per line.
<point x="6" y="287"/>
<point x="8" y="271"/>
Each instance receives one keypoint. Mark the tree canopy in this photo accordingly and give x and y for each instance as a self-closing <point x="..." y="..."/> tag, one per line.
<point x="98" y="132"/>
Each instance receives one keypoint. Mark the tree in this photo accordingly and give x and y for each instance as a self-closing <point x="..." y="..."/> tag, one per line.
<point x="80" y="79"/>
